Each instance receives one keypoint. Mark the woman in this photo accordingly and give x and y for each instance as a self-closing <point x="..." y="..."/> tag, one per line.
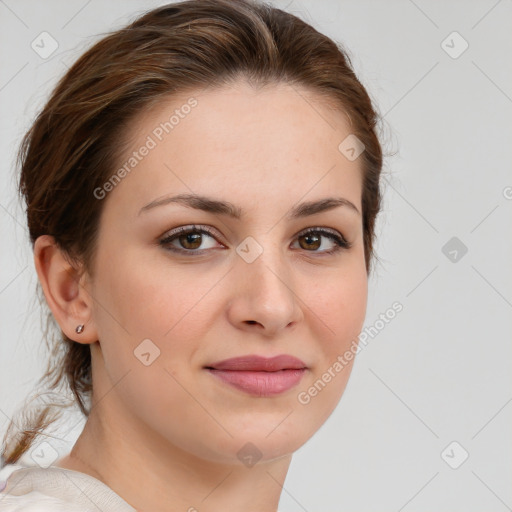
<point x="201" y="189"/>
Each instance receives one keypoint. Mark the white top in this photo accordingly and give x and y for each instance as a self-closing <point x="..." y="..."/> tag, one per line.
<point x="54" y="489"/>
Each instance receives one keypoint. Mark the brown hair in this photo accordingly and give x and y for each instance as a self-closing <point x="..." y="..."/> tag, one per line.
<point x="76" y="140"/>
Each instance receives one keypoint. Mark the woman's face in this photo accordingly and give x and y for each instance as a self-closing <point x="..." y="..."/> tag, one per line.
<point x="168" y="307"/>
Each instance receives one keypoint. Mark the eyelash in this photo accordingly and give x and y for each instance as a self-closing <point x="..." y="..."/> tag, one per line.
<point x="340" y="242"/>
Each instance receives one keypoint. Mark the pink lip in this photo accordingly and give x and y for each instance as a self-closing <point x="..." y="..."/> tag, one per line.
<point x="259" y="363"/>
<point x="258" y="375"/>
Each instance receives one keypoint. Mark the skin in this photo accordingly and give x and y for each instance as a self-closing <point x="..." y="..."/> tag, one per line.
<point x="166" y="436"/>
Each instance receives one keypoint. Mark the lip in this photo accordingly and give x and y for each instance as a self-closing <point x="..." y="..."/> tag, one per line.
<point x="256" y="363"/>
<point x="260" y="376"/>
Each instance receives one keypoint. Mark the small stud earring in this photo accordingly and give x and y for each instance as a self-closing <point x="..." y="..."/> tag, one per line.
<point x="79" y="328"/>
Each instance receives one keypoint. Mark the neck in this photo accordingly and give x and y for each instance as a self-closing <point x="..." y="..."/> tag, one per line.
<point x="153" y="477"/>
<point x="152" y="474"/>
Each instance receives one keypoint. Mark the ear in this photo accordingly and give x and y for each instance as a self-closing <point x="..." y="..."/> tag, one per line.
<point x="65" y="290"/>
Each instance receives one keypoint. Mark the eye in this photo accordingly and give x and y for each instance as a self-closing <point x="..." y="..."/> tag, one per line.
<point x="189" y="237"/>
<point x="312" y="239"/>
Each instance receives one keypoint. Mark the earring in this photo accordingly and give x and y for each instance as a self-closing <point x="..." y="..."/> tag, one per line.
<point x="79" y="329"/>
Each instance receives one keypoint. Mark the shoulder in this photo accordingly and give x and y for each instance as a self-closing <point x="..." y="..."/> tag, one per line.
<point x="35" y="501"/>
<point x="37" y="489"/>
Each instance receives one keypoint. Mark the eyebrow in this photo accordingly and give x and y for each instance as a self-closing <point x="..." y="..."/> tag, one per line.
<point x="218" y="207"/>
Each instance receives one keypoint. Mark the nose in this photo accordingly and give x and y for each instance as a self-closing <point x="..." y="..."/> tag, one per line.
<point x="263" y="295"/>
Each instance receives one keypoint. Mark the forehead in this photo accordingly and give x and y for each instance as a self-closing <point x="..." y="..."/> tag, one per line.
<point x="237" y="140"/>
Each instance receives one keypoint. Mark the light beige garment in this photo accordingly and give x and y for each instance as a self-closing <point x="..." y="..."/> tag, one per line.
<point x="54" y="489"/>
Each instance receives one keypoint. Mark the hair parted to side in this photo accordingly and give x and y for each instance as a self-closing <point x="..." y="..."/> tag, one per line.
<point x="76" y="141"/>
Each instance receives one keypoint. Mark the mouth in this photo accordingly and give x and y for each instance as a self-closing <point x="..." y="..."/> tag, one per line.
<point x="260" y="376"/>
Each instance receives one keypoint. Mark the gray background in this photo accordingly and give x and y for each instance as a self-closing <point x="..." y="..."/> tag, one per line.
<point x="440" y="371"/>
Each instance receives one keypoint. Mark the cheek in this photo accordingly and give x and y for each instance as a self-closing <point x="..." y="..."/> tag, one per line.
<point x="150" y="318"/>
<point x="349" y="312"/>
<point x="340" y="308"/>
<point x="148" y="296"/>
<point x="141" y="298"/>
<point x="339" y="302"/>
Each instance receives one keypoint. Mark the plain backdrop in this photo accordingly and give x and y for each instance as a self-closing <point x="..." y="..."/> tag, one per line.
<point x="425" y="421"/>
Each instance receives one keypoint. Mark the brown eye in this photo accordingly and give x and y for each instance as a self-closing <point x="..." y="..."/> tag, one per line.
<point x="191" y="240"/>
<point x="311" y="241"/>
<point x="188" y="240"/>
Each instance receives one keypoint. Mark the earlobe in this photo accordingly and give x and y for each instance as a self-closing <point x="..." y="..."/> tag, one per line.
<point x="67" y="298"/>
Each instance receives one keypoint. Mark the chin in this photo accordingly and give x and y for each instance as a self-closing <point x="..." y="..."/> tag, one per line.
<point x="263" y="440"/>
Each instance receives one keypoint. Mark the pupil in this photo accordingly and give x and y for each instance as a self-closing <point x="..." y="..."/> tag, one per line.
<point x="312" y="239"/>
<point x="191" y="238"/>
